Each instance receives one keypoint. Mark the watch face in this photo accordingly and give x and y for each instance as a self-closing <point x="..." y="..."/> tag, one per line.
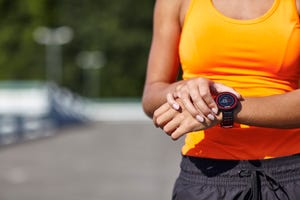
<point x="226" y="101"/>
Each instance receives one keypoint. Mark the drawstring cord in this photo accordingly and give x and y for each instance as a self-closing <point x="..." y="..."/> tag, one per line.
<point x="253" y="190"/>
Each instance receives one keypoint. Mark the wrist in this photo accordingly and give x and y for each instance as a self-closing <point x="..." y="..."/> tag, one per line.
<point x="236" y="112"/>
<point x="227" y="104"/>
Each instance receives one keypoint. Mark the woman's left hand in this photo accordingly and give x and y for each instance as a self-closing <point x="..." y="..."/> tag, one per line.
<point x="197" y="94"/>
<point x="177" y="123"/>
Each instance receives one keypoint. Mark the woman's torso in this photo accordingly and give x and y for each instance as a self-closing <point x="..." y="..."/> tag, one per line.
<point x="257" y="52"/>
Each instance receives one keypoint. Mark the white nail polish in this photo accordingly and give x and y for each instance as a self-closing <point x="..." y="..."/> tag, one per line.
<point x="211" y="117"/>
<point x="199" y="118"/>
<point x="175" y="106"/>
<point x="215" y="110"/>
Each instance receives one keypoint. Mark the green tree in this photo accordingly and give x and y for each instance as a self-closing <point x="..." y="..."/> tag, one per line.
<point x="120" y="29"/>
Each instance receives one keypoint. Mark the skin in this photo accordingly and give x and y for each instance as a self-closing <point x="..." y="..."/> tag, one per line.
<point x="163" y="62"/>
<point x="179" y="107"/>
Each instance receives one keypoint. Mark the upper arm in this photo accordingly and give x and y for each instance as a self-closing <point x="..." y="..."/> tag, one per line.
<point x="163" y="59"/>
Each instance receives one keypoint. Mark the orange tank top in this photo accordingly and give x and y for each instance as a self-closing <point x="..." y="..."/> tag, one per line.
<point x="257" y="57"/>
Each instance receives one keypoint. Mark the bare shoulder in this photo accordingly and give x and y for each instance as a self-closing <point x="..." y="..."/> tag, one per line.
<point x="168" y="7"/>
<point x="175" y="9"/>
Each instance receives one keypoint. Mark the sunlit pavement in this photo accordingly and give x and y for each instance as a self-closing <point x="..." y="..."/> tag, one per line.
<point x="102" y="161"/>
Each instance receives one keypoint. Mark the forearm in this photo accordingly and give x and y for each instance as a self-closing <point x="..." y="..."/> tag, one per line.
<point x="155" y="95"/>
<point x="278" y="111"/>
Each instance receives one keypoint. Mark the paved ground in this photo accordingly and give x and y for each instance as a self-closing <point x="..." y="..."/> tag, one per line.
<point x="103" y="161"/>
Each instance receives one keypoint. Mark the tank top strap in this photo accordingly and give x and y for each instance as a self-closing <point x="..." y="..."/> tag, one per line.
<point x="291" y="5"/>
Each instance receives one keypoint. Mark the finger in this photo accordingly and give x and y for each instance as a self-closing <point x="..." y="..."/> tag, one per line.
<point x="177" y="133"/>
<point x="206" y="103"/>
<point x="193" y="111"/>
<point x="198" y="90"/>
<point x="218" y="87"/>
<point x="158" y="112"/>
<point x="180" y="131"/>
<point x="171" y="126"/>
<point x="171" y="101"/>
<point x="186" y="100"/>
<point x="203" y="98"/>
<point x="189" y="126"/>
<point x="200" y="105"/>
<point x="165" y="118"/>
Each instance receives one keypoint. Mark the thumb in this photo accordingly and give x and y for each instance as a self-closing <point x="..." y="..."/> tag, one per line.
<point x="218" y="87"/>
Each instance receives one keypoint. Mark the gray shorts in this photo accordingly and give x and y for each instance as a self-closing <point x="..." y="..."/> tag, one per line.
<point x="212" y="179"/>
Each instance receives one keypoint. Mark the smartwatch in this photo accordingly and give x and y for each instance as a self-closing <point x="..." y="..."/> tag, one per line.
<point x="226" y="103"/>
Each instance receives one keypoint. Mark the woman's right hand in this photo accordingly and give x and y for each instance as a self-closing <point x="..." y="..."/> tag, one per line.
<point x="177" y="123"/>
<point x="197" y="97"/>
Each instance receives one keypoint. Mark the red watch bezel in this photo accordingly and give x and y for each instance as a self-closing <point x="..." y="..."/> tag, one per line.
<point x="234" y="105"/>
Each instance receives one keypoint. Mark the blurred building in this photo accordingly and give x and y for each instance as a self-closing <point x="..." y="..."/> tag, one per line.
<point x="33" y="109"/>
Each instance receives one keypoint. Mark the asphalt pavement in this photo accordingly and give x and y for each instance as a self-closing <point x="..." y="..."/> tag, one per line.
<point x="101" y="161"/>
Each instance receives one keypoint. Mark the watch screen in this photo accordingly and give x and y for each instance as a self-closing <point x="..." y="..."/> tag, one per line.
<point x="226" y="101"/>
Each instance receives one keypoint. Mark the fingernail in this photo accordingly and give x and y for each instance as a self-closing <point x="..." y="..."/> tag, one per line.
<point x="175" y="106"/>
<point x="215" y="110"/>
<point x="211" y="117"/>
<point x="199" y="118"/>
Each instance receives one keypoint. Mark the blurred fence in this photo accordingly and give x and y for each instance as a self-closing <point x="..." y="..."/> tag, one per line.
<point x="30" y="110"/>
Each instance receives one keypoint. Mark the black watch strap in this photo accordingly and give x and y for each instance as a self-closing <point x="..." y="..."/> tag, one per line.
<point x="227" y="121"/>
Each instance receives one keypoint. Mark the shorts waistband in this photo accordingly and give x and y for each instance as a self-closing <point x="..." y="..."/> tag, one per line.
<point x="239" y="172"/>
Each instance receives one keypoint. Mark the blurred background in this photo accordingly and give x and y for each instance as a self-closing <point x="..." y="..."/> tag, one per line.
<point x="71" y="122"/>
<point x="93" y="47"/>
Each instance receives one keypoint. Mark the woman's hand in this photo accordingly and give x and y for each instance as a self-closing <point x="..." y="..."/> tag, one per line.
<point x="177" y="123"/>
<point x="197" y="97"/>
